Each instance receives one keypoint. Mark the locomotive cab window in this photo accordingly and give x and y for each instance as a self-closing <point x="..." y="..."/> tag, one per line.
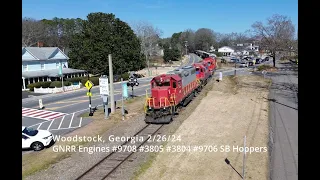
<point x="162" y="83"/>
<point x="174" y="84"/>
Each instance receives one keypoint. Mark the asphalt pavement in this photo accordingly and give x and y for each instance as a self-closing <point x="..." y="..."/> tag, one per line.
<point x="283" y="100"/>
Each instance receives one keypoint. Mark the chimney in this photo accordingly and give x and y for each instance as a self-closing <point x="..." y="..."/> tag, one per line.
<point x="40" y="44"/>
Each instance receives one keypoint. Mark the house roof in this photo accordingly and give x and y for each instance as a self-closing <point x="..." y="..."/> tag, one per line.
<point x="50" y="72"/>
<point x="43" y="53"/>
<point x="225" y="49"/>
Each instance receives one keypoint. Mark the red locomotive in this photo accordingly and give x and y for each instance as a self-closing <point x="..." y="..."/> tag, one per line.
<point x="211" y="63"/>
<point x="203" y="73"/>
<point x="175" y="89"/>
<point x="169" y="92"/>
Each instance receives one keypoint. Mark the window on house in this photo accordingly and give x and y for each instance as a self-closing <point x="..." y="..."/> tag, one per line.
<point x="25" y="67"/>
<point x="57" y="65"/>
<point x="42" y="66"/>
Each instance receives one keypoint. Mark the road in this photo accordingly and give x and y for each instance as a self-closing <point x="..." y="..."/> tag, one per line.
<point x="284" y="123"/>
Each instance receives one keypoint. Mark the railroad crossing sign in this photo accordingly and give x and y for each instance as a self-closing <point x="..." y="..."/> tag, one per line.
<point x="88" y="85"/>
<point x="89" y="94"/>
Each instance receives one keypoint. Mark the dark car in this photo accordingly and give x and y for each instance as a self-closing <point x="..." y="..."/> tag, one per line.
<point x="258" y="61"/>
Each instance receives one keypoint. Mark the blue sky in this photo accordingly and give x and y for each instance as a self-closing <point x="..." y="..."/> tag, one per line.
<point x="224" y="16"/>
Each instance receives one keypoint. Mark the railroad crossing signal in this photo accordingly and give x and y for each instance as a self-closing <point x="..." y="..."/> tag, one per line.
<point x="133" y="81"/>
<point x="88" y="85"/>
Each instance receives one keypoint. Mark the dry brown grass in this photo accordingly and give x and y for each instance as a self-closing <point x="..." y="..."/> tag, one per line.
<point x="234" y="108"/>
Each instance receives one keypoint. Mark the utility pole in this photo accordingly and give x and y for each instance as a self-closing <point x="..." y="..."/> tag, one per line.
<point x="111" y="85"/>
<point x="148" y="64"/>
<point x="186" y="45"/>
<point x="61" y="74"/>
<point x="235" y="67"/>
<point x="244" y="158"/>
<point x="122" y="109"/>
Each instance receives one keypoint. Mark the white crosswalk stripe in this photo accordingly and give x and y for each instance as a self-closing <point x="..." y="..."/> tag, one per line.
<point x="41" y="114"/>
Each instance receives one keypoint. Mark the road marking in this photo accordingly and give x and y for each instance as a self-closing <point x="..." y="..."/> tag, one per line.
<point x="61" y="122"/>
<point x="62" y="128"/>
<point x="63" y="102"/>
<point x="50" y="125"/>
<point x="41" y="114"/>
<point x="80" y="122"/>
<point x="71" y="120"/>
<point x="37" y="124"/>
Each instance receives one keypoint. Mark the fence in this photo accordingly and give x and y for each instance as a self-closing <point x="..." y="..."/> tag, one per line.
<point x="56" y="90"/>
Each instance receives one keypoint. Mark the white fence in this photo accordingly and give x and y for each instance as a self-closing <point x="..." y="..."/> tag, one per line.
<point x="56" y="90"/>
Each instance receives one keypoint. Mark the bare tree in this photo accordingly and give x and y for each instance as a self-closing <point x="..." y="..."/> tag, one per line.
<point x="149" y="37"/>
<point x="276" y="36"/>
<point x="188" y="37"/>
<point x="32" y="31"/>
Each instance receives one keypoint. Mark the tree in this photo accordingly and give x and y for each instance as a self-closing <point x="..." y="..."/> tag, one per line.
<point x="171" y="54"/>
<point x="204" y="38"/>
<point x="223" y="39"/>
<point x="100" y="35"/>
<point x="149" y="37"/>
<point x="188" y="35"/>
<point x="276" y="35"/>
<point x="59" y="31"/>
<point x="33" y="31"/>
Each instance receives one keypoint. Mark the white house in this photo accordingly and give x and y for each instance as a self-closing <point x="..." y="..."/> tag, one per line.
<point x="226" y="51"/>
<point x="42" y="64"/>
<point x="245" y="52"/>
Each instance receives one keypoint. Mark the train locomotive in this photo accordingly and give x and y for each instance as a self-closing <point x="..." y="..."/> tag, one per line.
<point x="176" y="89"/>
<point x="210" y="63"/>
<point x="169" y="92"/>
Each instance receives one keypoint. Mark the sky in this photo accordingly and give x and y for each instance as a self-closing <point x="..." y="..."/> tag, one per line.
<point x="223" y="16"/>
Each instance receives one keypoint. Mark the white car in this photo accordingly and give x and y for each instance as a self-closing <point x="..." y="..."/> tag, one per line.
<point x="243" y="64"/>
<point x="35" y="139"/>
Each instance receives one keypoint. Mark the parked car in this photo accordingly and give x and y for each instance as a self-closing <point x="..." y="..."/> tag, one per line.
<point x="36" y="139"/>
<point x="258" y="61"/>
<point x="235" y="60"/>
<point x="243" y="64"/>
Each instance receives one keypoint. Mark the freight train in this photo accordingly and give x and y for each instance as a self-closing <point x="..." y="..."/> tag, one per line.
<point x="169" y="92"/>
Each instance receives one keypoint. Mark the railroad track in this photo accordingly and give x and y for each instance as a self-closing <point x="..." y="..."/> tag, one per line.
<point x="105" y="167"/>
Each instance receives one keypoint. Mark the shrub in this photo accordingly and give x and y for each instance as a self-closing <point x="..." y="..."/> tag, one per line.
<point x="263" y="67"/>
<point x="94" y="80"/>
<point x="125" y="76"/>
<point x="45" y="84"/>
<point x="59" y="84"/>
<point x="219" y="54"/>
<point x="75" y="79"/>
